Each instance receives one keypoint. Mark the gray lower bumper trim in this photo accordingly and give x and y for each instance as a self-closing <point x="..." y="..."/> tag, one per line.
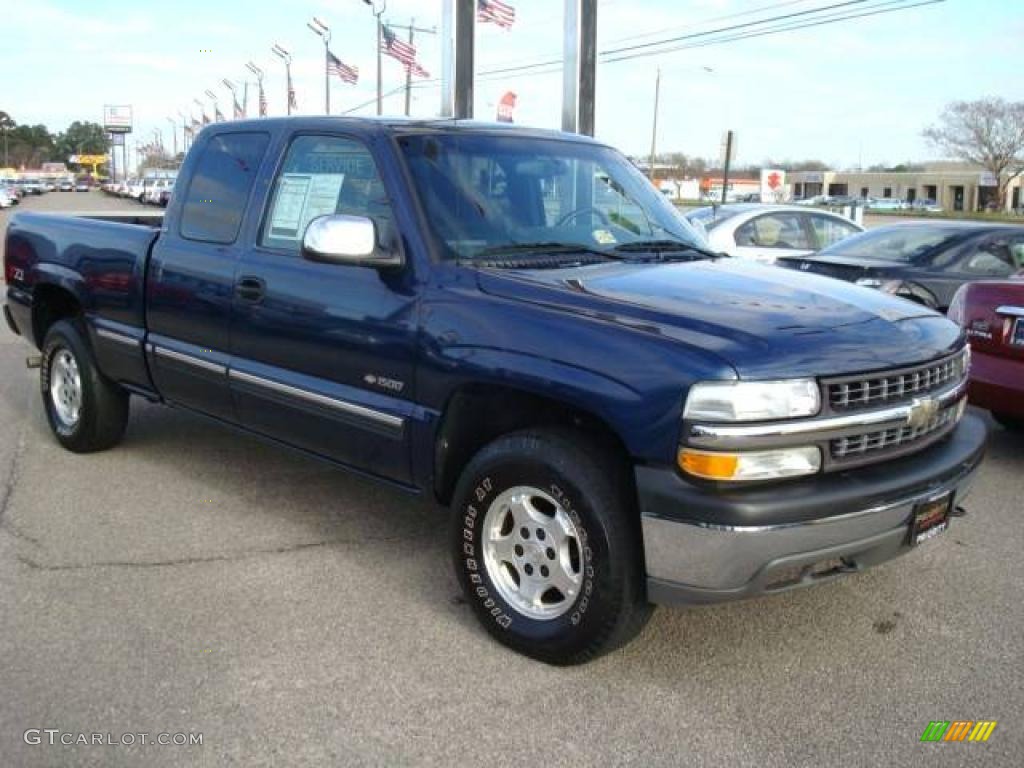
<point x="697" y="562"/>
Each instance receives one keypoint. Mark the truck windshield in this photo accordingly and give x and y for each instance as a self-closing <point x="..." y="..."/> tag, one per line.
<point x="483" y="193"/>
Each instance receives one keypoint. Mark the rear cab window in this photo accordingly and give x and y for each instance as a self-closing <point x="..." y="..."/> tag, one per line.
<point x="218" y="192"/>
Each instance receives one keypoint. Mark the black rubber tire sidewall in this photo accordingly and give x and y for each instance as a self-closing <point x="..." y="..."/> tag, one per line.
<point x="605" y="545"/>
<point x="104" y="410"/>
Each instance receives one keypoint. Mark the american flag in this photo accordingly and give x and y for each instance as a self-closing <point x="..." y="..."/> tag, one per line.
<point x="495" y="12"/>
<point x="206" y="120"/>
<point x="263" y="100"/>
<point x="217" y="115"/>
<point x="397" y="49"/>
<point x="238" y="112"/>
<point x="416" y="70"/>
<point x="335" y="66"/>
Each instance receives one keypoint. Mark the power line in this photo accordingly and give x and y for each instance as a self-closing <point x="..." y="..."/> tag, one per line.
<point x="788" y="25"/>
<point x="876" y="10"/>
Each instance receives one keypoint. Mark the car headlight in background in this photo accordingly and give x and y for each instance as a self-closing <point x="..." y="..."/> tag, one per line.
<point x="752" y="400"/>
<point x="885" y="286"/>
<point x="750" y="465"/>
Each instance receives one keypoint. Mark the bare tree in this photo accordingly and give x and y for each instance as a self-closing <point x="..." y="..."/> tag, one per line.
<point x="988" y="133"/>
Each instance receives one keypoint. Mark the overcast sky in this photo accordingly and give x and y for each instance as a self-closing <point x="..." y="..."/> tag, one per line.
<point x="859" y="91"/>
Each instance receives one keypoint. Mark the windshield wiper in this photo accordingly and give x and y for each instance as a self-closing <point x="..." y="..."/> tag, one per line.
<point x="539" y="253"/>
<point x="664" y="247"/>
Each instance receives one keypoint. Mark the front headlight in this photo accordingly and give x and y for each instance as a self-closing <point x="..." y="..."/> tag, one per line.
<point x="869" y="282"/>
<point x="752" y="400"/>
<point x="750" y="465"/>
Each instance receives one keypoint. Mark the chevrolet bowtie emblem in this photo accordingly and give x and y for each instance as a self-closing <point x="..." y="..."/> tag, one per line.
<point x="922" y="412"/>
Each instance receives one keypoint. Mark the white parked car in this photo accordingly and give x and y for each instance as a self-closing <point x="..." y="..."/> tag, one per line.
<point x="767" y="232"/>
<point x="888" y="204"/>
<point x="153" y="188"/>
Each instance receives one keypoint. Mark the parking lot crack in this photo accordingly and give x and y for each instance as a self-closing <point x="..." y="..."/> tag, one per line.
<point x="39" y="565"/>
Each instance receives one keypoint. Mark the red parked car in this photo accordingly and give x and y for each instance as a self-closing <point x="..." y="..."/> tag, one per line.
<point x="992" y="313"/>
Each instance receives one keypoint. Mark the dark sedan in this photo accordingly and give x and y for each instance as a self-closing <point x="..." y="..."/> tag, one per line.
<point x="923" y="262"/>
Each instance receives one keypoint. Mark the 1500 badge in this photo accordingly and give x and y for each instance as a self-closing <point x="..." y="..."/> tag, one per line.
<point x="391" y="385"/>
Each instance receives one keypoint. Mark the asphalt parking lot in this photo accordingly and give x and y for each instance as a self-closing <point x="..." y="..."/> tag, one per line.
<point x="196" y="581"/>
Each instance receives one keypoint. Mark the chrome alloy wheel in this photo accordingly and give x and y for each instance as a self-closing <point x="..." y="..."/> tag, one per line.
<point x="532" y="552"/>
<point x="65" y="387"/>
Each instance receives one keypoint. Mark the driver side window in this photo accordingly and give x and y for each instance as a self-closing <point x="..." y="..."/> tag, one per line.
<point x="324" y="175"/>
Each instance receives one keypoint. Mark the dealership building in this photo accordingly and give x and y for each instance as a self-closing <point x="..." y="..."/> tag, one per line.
<point x="953" y="186"/>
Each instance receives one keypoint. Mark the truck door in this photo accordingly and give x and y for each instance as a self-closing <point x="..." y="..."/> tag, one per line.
<point x="191" y="276"/>
<point x="323" y="354"/>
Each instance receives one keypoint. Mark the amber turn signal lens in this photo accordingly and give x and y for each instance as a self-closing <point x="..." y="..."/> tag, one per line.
<point x="713" y="466"/>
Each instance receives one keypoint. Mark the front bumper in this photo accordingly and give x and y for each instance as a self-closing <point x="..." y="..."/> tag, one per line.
<point x="709" y="544"/>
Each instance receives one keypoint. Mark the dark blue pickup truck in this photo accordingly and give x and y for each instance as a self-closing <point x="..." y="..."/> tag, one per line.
<point x="517" y="324"/>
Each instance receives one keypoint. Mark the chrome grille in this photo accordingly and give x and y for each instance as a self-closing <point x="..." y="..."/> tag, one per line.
<point x="893" y="438"/>
<point x="895" y="386"/>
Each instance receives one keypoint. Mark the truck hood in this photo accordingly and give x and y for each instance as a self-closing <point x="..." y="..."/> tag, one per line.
<point x="766" y="322"/>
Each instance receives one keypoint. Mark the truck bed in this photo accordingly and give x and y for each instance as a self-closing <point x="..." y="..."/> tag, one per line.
<point x="98" y="258"/>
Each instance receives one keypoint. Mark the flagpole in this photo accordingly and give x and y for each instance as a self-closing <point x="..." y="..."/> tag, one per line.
<point x="380" y="39"/>
<point x="322" y="30"/>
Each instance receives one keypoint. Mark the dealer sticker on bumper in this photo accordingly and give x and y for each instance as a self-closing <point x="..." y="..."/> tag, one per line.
<point x="930" y="518"/>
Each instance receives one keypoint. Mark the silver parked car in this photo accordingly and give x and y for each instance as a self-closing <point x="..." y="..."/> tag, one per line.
<point x="767" y="232"/>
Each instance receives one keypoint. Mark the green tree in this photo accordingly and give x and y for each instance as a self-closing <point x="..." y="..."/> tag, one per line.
<point x="30" y="145"/>
<point x="81" y="139"/>
<point x="7" y="124"/>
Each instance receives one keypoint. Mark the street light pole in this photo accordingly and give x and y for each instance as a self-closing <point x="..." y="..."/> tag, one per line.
<point x="259" y="84"/>
<point x="174" y="134"/>
<point x="380" y="39"/>
<point x="286" y="57"/>
<point x="325" y="34"/>
<point x="213" y="97"/>
<point x="234" y="97"/>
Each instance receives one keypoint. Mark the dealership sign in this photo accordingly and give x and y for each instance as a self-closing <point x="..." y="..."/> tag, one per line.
<point x="117" y="119"/>
<point x="773" y="185"/>
<point x="987" y="179"/>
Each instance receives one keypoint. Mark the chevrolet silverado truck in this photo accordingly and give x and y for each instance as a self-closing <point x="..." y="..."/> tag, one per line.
<point x="517" y="324"/>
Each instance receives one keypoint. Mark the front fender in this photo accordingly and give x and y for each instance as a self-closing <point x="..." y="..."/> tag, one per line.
<point x="646" y="421"/>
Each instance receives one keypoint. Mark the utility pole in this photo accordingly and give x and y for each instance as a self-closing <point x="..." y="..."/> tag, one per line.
<point x="380" y="39"/>
<point x="654" y="128"/>
<point x="321" y="29"/>
<point x="725" y="170"/>
<point x="411" y="28"/>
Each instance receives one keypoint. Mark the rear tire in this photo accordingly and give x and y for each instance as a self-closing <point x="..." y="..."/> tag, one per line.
<point x="546" y="546"/>
<point x="1012" y="423"/>
<point x="86" y="411"/>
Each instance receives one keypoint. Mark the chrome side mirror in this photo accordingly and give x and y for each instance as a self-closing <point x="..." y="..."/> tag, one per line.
<point x="351" y="240"/>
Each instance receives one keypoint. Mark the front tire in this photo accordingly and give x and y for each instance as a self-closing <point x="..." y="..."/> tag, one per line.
<point x="546" y="547"/>
<point x="86" y="411"/>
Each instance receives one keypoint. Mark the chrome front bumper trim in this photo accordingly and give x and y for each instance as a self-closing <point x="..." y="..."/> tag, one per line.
<point x="698" y="556"/>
